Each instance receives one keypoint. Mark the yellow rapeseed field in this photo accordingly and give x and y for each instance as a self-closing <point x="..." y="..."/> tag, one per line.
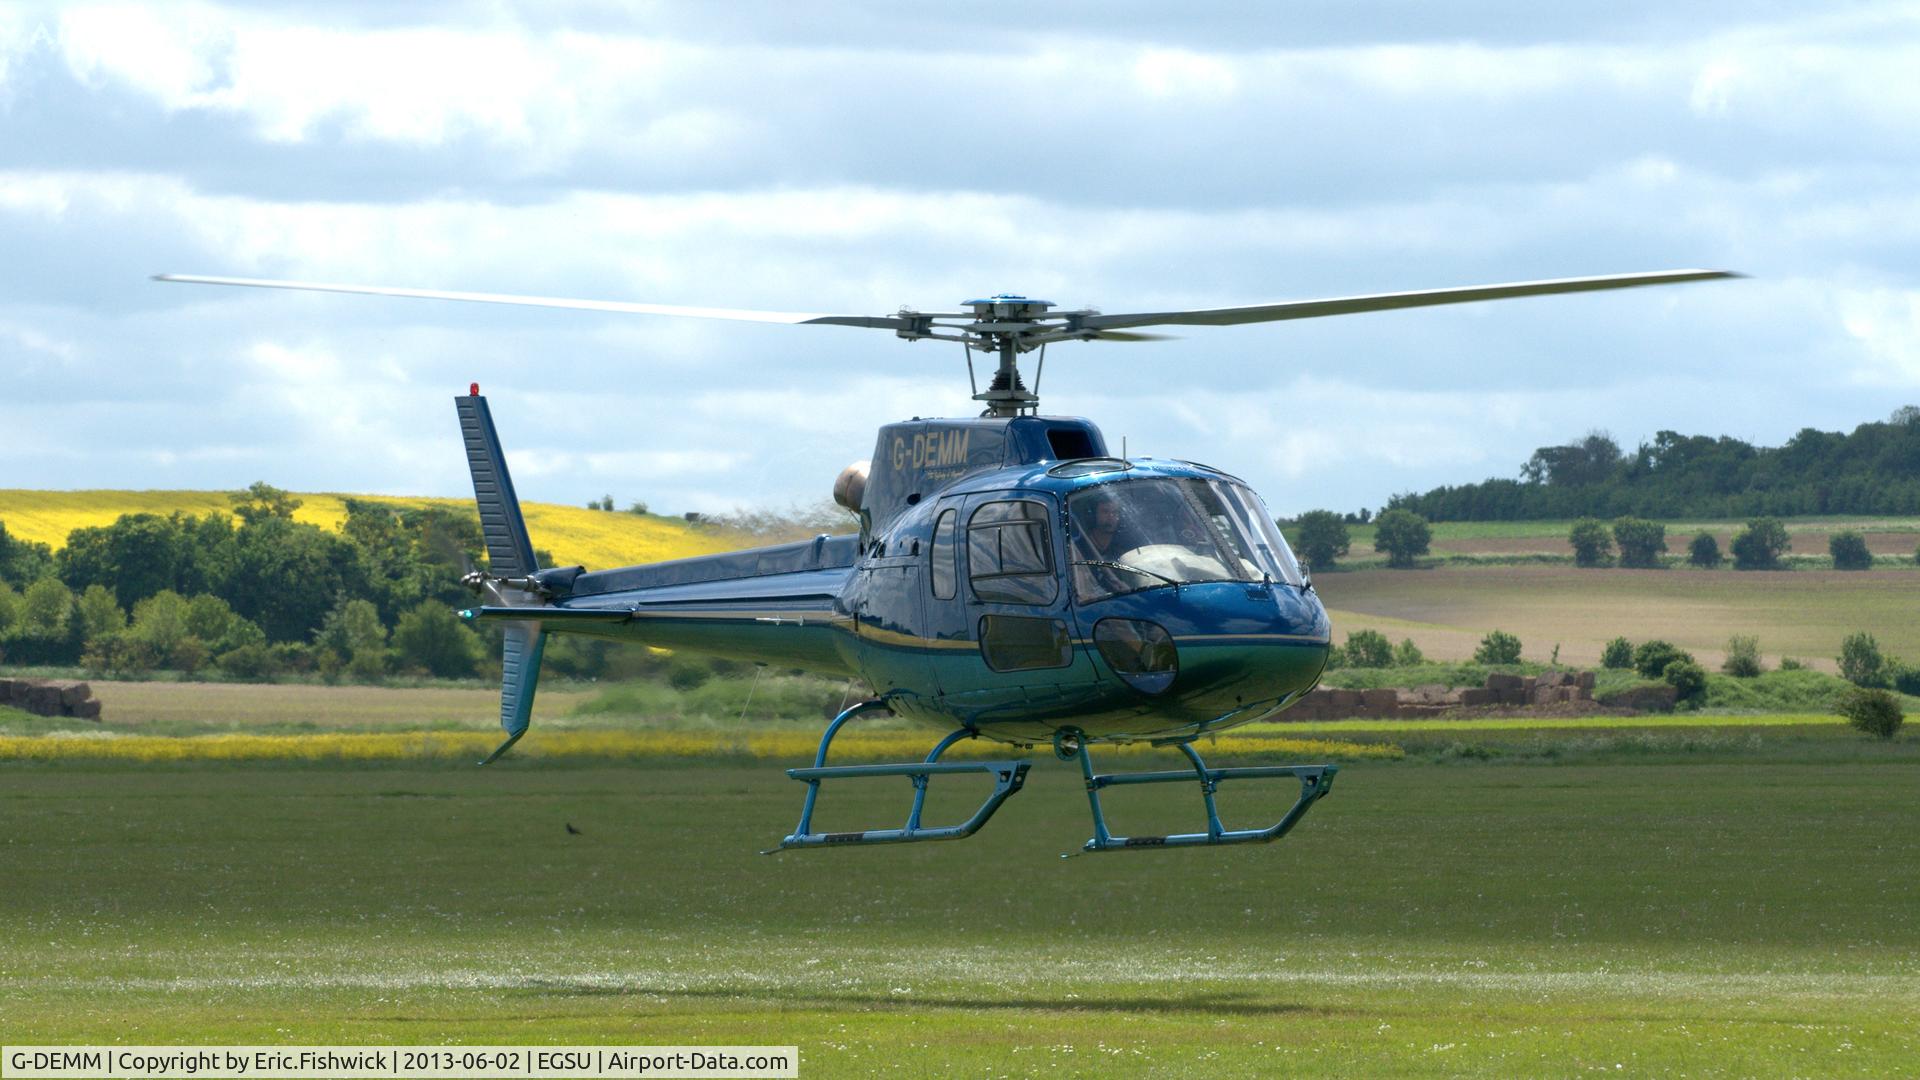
<point x="591" y="538"/>
<point x="777" y="746"/>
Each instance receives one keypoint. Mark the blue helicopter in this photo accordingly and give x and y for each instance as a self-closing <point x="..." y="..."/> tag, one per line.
<point x="1012" y="578"/>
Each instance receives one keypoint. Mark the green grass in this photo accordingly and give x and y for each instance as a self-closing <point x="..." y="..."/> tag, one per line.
<point x="1726" y="913"/>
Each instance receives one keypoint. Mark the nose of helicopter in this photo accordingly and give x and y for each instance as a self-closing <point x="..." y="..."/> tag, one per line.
<point x="1215" y="651"/>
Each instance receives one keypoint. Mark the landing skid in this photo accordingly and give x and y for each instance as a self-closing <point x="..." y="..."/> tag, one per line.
<point x="1008" y="777"/>
<point x="1315" y="782"/>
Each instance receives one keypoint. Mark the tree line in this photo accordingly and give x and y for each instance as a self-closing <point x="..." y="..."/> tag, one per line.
<point x="252" y="593"/>
<point x="1873" y="470"/>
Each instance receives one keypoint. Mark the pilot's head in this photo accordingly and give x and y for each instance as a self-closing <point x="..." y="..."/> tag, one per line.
<point x="1104" y="520"/>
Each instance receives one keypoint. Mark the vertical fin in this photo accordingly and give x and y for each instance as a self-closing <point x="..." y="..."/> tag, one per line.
<point x="509" y="552"/>
<point x="520" y="649"/>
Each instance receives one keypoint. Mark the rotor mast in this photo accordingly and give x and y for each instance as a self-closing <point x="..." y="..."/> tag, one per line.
<point x="1001" y="325"/>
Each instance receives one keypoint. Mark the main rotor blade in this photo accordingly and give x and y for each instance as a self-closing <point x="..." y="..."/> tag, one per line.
<point x="1347" y="305"/>
<point x="738" y="314"/>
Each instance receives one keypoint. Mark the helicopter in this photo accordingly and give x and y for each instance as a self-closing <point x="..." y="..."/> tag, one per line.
<point x="1011" y="580"/>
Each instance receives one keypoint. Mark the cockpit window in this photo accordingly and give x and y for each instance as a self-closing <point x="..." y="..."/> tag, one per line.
<point x="1138" y="534"/>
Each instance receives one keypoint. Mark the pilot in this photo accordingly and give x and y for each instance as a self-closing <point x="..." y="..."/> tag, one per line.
<point x="1103" y="526"/>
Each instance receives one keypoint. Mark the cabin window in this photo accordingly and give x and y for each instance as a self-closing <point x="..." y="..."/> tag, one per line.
<point x="1018" y="643"/>
<point x="1009" y="554"/>
<point x="941" y="572"/>
<point x="1069" y="443"/>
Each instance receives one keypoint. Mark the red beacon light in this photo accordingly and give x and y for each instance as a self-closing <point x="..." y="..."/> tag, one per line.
<point x="473" y="389"/>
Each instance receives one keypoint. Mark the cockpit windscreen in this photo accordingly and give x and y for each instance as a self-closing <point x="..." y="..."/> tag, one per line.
<point x="1139" y="534"/>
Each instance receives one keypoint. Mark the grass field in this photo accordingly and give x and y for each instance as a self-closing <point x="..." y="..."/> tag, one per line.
<point x="1803" y="614"/>
<point x="574" y="534"/>
<point x="1739" y="913"/>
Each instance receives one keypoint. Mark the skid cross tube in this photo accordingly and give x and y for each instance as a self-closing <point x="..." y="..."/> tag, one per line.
<point x="1315" y="782"/>
<point x="1008" y="776"/>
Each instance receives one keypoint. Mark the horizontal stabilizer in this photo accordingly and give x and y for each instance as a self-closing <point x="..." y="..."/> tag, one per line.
<point x="552" y="616"/>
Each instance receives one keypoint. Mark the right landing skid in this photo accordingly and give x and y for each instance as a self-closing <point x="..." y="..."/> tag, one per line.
<point x="1315" y="782"/>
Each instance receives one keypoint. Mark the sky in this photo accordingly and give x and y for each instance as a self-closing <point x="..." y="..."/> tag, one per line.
<point x="857" y="157"/>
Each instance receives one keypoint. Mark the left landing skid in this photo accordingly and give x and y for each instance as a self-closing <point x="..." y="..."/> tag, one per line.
<point x="1008" y="778"/>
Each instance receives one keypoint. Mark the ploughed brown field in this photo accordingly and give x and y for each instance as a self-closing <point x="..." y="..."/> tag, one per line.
<point x="1798" y="613"/>
<point x="1804" y="543"/>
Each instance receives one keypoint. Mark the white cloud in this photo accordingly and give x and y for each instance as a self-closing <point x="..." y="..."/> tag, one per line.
<point x="1885" y="323"/>
<point x="502" y="148"/>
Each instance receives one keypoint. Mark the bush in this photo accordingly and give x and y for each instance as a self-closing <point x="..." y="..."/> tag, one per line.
<point x="1788" y="663"/>
<point x="1651" y="658"/>
<point x="368" y="666"/>
<point x="1743" y="657"/>
<point x="1875" y="712"/>
<point x="1322" y="538"/>
<point x="1905" y="678"/>
<point x="1860" y="661"/>
<point x="1704" y="551"/>
<point x="1498" y="647"/>
<point x="1642" y="542"/>
<point x="1369" y="648"/>
<point x="1403" y="535"/>
<point x="255" y="661"/>
<point x="1336" y="657"/>
<point x="1618" y="654"/>
<point x="1849" y="550"/>
<point x="686" y="675"/>
<point x="1689" y="678"/>
<point x="1760" y="545"/>
<point x="432" y="637"/>
<point x="1407" y="654"/>
<point x="1592" y="542"/>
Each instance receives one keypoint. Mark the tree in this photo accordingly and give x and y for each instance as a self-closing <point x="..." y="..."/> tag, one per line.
<point x="1642" y="542"/>
<point x="1369" y="649"/>
<point x="1687" y="677"/>
<point x="208" y="617"/>
<point x="160" y="627"/>
<point x="23" y="562"/>
<point x="1875" y="712"/>
<point x="1590" y="461"/>
<point x="1861" y="662"/>
<point x="1743" y="657"/>
<point x="1407" y="654"/>
<point x="1618" y="655"/>
<point x="1403" y="535"/>
<point x="1849" y="550"/>
<point x="1704" y="551"/>
<point x="10" y="605"/>
<point x="431" y="637"/>
<point x="263" y="502"/>
<point x="98" y="612"/>
<point x="1498" y="647"/>
<point x="351" y="628"/>
<point x="1322" y="538"/>
<point x="1592" y="542"/>
<point x="44" y="610"/>
<point x="136" y="556"/>
<point x="1651" y="658"/>
<point x="285" y="575"/>
<point x="1760" y="545"/>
